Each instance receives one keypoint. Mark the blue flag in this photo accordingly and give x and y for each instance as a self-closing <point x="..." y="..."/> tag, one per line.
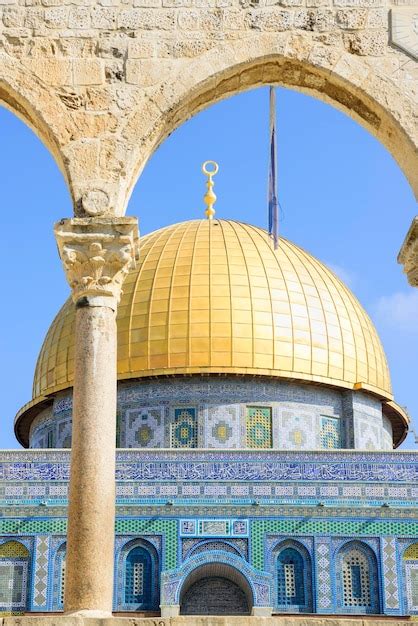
<point x="272" y="192"/>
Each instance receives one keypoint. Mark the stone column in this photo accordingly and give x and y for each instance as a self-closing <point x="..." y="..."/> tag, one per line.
<point x="97" y="253"/>
<point x="408" y="255"/>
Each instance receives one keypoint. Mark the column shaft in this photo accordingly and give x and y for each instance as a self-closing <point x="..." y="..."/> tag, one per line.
<point x="91" y="515"/>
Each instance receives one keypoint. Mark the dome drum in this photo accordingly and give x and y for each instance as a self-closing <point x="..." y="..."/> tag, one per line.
<point x="230" y="413"/>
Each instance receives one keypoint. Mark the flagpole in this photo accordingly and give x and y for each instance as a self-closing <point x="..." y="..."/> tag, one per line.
<point x="273" y="209"/>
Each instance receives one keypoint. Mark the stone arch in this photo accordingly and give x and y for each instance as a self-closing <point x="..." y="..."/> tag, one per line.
<point x="59" y="577"/>
<point x="138" y="571"/>
<point x="40" y="108"/>
<point x="293" y="577"/>
<point x="173" y="581"/>
<point x="15" y="575"/>
<point x="222" y="588"/>
<point x="357" y="584"/>
<point x="351" y="84"/>
<point x="410" y="576"/>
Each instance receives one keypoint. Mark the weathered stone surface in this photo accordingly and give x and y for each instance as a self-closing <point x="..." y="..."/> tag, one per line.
<point x="150" y="64"/>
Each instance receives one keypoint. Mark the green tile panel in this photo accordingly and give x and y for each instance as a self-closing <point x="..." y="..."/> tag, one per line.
<point x="166" y="528"/>
<point x="320" y="527"/>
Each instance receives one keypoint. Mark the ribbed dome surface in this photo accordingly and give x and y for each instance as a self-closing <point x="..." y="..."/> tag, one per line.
<point x="216" y="298"/>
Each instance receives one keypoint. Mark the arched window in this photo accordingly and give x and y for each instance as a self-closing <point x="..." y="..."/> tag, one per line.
<point x="410" y="560"/>
<point x="294" y="591"/>
<point x="59" y="577"/>
<point x="138" y="578"/>
<point x="358" y="588"/>
<point x="14" y="575"/>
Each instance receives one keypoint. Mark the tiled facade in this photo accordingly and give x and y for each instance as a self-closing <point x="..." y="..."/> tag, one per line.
<point x="230" y="413"/>
<point x="325" y="532"/>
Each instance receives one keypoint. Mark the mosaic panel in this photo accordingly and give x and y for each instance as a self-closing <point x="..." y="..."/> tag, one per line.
<point x="64" y="428"/>
<point x="222" y="426"/>
<point x="13" y="583"/>
<point x="297" y="430"/>
<point x="390" y="573"/>
<point x="143" y="428"/>
<point x="58" y="547"/>
<point x="259" y="427"/>
<point x="330" y="432"/>
<point x="411" y="571"/>
<point x="11" y="549"/>
<point x="214" y="527"/>
<point x="193" y="546"/>
<point x="323" y="565"/>
<point x="411" y="553"/>
<point x="367" y="435"/>
<point x="184" y="428"/>
<point x="40" y="574"/>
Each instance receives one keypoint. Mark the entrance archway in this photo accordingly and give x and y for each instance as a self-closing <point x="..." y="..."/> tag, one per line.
<point x="216" y="589"/>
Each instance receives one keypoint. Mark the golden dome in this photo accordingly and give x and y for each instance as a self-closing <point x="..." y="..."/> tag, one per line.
<point x="214" y="297"/>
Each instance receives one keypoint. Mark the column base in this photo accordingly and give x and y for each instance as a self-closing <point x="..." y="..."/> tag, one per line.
<point x="170" y="610"/>
<point x="262" y="611"/>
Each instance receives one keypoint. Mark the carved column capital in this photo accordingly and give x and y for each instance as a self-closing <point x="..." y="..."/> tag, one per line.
<point x="97" y="253"/>
<point x="408" y="255"/>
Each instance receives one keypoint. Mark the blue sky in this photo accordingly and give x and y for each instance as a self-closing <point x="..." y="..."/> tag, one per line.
<point x="343" y="198"/>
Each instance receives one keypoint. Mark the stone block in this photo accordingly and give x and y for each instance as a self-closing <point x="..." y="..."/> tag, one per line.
<point x="79" y="18"/>
<point x="13" y="17"/>
<point x="88" y="72"/>
<point x="142" y="49"/>
<point x="366" y="43"/>
<point x="56" y="17"/>
<point x="34" y="17"/>
<point x="148" y="72"/>
<point x="377" y="18"/>
<point x="104" y="17"/>
<point x="189" y="20"/>
<point x="87" y="161"/>
<point x="272" y="20"/>
<point x="351" y="19"/>
<point x="147" y="19"/>
<point x="51" y="71"/>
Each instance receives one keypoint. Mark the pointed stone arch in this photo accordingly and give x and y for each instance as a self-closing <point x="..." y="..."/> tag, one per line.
<point x="350" y="83"/>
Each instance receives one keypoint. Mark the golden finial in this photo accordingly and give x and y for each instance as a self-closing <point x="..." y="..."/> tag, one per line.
<point x="210" y="197"/>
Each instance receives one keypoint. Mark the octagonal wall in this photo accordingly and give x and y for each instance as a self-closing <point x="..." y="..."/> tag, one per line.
<point x="104" y="85"/>
<point x="231" y="413"/>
